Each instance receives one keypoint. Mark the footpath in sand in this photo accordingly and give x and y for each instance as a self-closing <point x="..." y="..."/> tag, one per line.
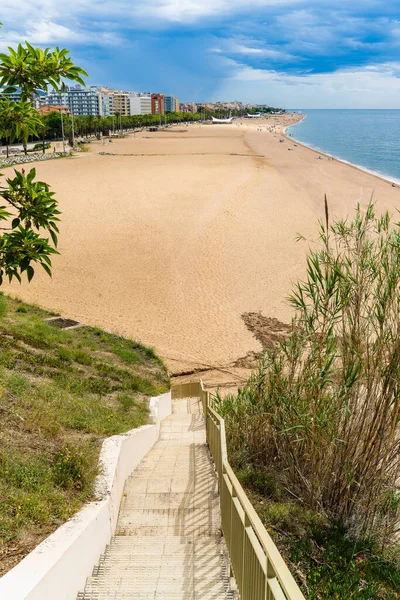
<point x="185" y="239"/>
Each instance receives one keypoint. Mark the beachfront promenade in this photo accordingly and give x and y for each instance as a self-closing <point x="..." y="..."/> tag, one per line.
<point x="168" y="542"/>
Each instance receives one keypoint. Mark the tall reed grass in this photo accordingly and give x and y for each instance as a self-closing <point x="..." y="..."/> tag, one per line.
<point x="321" y="414"/>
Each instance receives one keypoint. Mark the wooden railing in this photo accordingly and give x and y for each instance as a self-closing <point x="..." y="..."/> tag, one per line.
<point x="259" y="569"/>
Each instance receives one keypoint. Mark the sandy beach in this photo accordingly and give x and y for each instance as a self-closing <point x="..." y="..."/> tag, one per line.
<point x="185" y="238"/>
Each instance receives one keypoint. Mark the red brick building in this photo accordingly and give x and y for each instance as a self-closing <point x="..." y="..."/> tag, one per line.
<point x="157" y="104"/>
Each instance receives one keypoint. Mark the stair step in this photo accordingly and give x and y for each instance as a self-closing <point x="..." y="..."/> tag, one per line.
<point x="154" y="578"/>
<point x="157" y="595"/>
<point x="170" y="501"/>
<point x="174" y="541"/>
<point x="163" y="589"/>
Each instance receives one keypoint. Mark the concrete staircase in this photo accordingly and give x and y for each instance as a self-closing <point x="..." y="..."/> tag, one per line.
<point x="168" y="542"/>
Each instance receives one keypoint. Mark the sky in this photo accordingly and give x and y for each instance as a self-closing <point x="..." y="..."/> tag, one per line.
<point x="285" y="53"/>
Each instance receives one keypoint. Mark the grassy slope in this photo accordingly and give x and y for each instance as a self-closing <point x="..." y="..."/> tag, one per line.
<point x="61" y="394"/>
<point x="326" y="562"/>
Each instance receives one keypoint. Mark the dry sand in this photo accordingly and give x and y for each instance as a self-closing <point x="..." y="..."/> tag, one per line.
<point x="186" y="239"/>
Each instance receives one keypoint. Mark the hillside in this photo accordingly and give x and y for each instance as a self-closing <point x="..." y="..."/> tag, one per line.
<point x="62" y="392"/>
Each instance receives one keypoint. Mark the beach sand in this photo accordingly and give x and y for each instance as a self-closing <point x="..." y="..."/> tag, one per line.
<point x="186" y="239"/>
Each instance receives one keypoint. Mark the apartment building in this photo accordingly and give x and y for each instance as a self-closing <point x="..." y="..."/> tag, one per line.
<point x="54" y="98"/>
<point x="106" y="101"/>
<point x="84" y="101"/>
<point x="171" y="104"/>
<point x="157" y="104"/>
<point x="80" y="101"/>
<point x="14" y="97"/>
<point x="189" y="107"/>
<point x="139" y="104"/>
<point x="121" y="103"/>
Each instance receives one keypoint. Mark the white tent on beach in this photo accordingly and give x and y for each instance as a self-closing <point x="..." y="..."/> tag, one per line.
<point x="229" y="121"/>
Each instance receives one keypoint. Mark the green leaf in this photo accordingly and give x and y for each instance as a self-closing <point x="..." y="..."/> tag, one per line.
<point x="30" y="272"/>
<point x="47" y="269"/>
<point x="54" y="238"/>
<point x="31" y="175"/>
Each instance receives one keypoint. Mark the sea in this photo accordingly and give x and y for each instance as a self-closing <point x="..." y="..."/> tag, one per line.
<point x="369" y="139"/>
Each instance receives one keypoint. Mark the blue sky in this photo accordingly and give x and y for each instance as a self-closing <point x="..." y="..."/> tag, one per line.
<point x="291" y="53"/>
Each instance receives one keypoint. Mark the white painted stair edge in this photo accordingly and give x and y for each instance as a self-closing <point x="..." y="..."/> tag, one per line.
<point x="59" y="566"/>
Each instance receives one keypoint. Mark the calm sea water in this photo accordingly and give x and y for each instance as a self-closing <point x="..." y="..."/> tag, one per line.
<point x="369" y="139"/>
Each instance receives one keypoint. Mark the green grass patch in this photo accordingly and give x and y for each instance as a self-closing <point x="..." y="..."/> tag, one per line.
<point x="62" y="393"/>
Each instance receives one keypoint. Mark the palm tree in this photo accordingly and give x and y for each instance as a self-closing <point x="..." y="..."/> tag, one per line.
<point x="118" y="116"/>
<point x="25" y="120"/>
<point x="6" y="121"/>
<point x="98" y="125"/>
<point x="90" y="123"/>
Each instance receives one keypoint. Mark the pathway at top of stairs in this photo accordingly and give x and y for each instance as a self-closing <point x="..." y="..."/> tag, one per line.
<point x="168" y="543"/>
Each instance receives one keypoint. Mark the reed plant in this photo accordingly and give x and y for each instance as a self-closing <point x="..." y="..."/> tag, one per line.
<point x="321" y="414"/>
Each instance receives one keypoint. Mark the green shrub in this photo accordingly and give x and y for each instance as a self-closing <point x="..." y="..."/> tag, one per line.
<point x="39" y="146"/>
<point x="324" y="407"/>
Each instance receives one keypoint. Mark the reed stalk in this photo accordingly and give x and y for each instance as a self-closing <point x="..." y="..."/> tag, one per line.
<point x="322" y="411"/>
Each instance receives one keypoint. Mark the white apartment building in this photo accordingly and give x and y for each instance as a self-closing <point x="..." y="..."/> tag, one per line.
<point x="139" y="104"/>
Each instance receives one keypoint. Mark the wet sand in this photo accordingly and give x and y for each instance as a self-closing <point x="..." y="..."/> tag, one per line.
<point x="184" y="233"/>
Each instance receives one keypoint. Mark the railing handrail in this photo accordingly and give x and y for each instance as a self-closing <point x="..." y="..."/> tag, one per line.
<point x="278" y="583"/>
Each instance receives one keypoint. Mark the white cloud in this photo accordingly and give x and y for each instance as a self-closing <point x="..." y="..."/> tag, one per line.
<point x="189" y="11"/>
<point x="239" y="49"/>
<point x="262" y="52"/>
<point x="172" y="11"/>
<point x="47" y="32"/>
<point x="240" y="45"/>
<point x="373" y="86"/>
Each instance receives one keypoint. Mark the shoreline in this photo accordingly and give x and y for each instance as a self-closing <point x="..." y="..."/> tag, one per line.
<point x="334" y="157"/>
